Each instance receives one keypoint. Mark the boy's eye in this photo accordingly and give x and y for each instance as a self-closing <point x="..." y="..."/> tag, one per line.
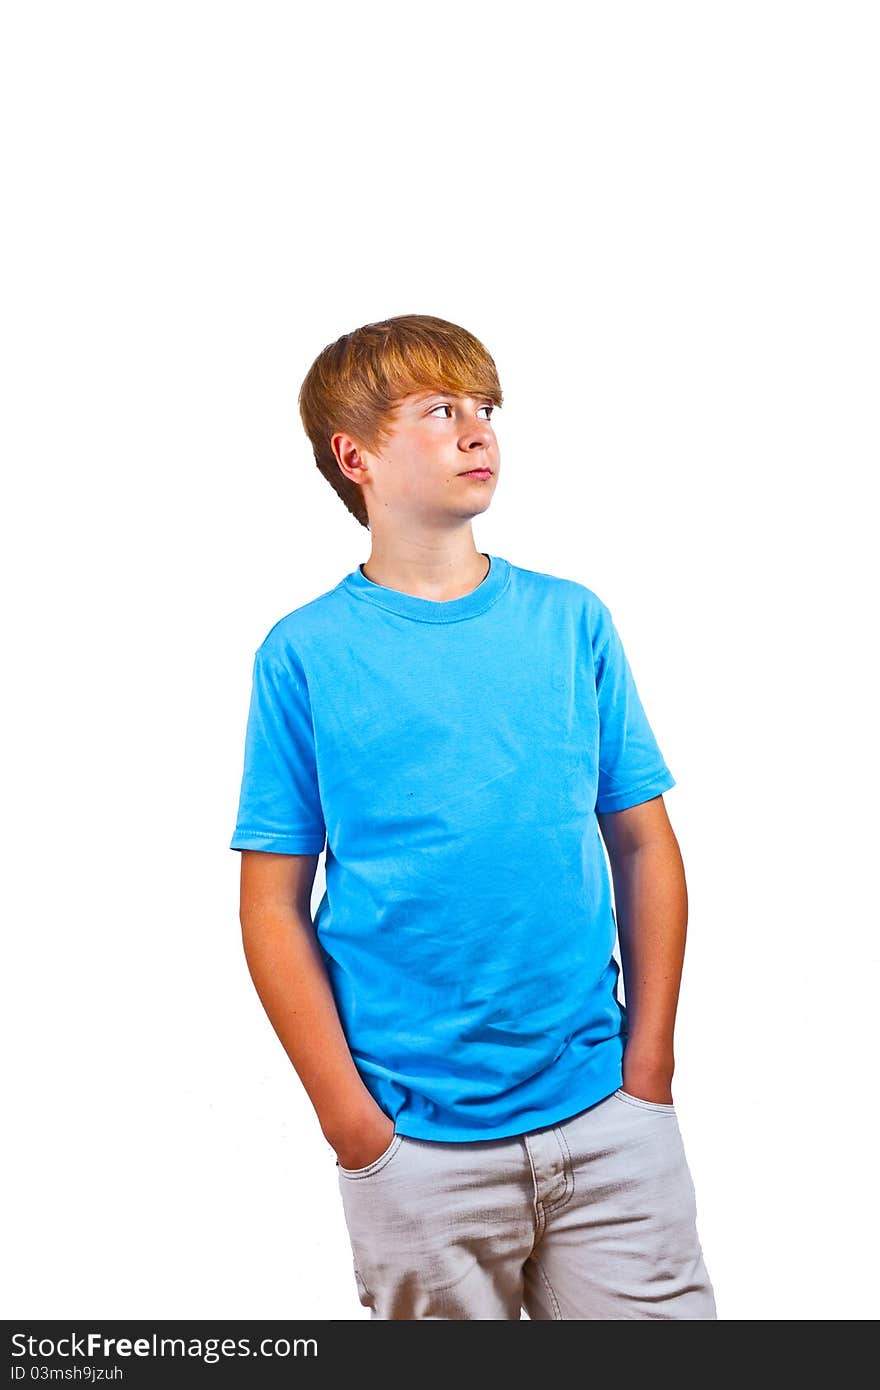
<point x="488" y="407"/>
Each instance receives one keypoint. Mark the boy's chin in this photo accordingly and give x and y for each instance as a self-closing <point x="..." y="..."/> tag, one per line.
<point x="474" y="506"/>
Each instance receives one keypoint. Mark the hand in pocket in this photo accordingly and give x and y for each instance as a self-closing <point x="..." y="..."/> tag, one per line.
<point x="359" y="1151"/>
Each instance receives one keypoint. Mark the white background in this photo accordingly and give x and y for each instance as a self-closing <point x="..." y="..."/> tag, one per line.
<point x="662" y="221"/>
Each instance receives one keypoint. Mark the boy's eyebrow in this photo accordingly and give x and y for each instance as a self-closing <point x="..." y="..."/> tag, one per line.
<point x="426" y="395"/>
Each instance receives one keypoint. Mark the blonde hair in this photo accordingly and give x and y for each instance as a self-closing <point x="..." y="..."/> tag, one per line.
<point x="354" y="385"/>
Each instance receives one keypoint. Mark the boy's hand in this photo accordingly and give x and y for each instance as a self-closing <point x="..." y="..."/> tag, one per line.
<point x="357" y="1150"/>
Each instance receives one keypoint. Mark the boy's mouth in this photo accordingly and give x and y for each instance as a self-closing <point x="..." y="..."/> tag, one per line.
<point x="477" y="473"/>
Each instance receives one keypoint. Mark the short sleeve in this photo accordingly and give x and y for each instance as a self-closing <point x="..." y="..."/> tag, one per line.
<point x="631" y="767"/>
<point x="279" y="807"/>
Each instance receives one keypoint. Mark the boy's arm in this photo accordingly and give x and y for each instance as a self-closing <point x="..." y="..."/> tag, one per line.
<point x="651" y="905"/>
<point x="287" y="969"/>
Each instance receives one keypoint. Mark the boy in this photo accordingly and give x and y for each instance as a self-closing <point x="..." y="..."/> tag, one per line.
<point x="457" y="731"/>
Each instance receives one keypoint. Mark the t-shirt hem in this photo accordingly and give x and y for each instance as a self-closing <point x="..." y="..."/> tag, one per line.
<point x="278" y="844"/>
<point x="621" y="801"/>
<point x="599" y="1089"/>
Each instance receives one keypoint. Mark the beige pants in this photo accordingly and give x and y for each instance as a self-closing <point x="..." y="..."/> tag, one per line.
<point x="594" y="1217"/>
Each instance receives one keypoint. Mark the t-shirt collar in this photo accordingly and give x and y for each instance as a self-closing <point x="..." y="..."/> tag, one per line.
<point x="430" y="610"/>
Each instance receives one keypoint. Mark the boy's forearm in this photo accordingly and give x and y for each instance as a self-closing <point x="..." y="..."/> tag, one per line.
<point x="652" y="908"/>
<point x="290" y="977"/>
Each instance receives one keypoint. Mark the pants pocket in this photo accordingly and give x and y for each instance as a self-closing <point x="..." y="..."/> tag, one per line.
<point x="644" y="1104"/>
<point x="377" y="1164"/>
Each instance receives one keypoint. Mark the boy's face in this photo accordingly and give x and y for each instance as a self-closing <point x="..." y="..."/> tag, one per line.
<point x="435" y="440"/>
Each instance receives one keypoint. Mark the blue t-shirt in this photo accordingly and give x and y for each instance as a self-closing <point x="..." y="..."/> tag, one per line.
<point x="452" y="756"/>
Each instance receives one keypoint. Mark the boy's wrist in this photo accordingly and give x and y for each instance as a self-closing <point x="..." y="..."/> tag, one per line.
<point x="355" y="1117"/>
<point x="648" y="1069"/>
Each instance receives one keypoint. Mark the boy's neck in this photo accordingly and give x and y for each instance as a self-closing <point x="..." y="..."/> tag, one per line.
<point x="437" y="578"/>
